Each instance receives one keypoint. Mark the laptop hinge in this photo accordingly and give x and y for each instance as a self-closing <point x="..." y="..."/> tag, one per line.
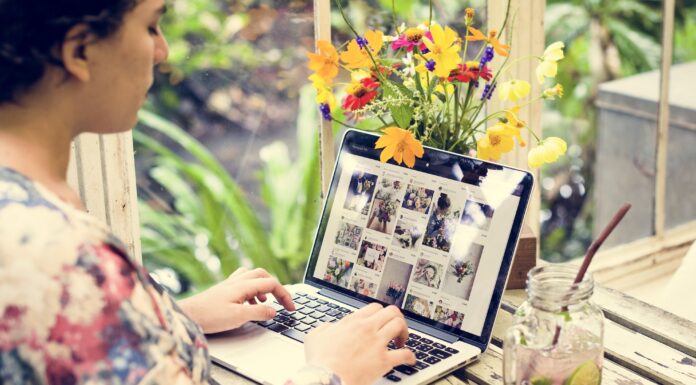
<point x="421" y="327"/>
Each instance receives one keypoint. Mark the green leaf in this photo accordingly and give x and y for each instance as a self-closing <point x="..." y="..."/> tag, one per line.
<point x="401" y="113"/>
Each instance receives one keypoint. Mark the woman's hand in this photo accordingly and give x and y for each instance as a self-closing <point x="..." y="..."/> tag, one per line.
<point x="355" y="348"/>
<point x="236" y="300"/>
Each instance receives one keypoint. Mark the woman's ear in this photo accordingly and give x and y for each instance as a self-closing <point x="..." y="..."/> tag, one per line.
<point x="73" y="52"/>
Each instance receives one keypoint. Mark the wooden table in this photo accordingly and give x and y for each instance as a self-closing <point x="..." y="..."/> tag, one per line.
<point x="643" y="345"/>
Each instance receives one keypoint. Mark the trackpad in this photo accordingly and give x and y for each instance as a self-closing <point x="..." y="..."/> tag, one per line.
<point x="272" y="358"/>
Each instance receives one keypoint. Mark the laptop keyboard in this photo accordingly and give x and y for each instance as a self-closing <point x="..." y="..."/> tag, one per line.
<point x="312" y="311"/>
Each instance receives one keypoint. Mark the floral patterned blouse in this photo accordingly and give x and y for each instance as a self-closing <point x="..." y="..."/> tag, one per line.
<point x="75" y="308"/>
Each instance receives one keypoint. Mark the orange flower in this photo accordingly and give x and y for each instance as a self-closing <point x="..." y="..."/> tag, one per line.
<point x="476" y="35"/>
<point x="399" y="144"/>
<point x="356" y="57"/>
<point x="500" y="48"/>
<point x="325" y="61"/>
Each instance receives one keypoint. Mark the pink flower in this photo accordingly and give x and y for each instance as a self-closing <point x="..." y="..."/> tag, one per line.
<point x="413" y="37"/>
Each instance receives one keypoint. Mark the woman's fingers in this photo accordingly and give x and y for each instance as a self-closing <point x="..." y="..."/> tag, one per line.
<point x="366" y="311"/>
<point x="398" y="357"/>
<point x="253" y="288"/>
<point x="395" y="329"/>
<point x="384" y="315"/>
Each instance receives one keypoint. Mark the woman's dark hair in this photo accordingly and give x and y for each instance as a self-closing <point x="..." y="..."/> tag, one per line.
<point x="31" y="29"/>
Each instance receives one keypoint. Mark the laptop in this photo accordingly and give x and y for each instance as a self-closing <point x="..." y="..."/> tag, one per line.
<point x="436" y="240"/>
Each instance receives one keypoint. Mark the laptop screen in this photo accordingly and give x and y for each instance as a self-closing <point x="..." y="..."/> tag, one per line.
<point x="430" y="240"/>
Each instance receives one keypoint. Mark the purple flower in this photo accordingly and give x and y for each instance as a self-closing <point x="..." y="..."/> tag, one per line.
<point x="430" y="65"/>
<point x="486" y="57"/>
<point x="362" y="42"/>
<point x="325" y="111"/>
<point x="488" y="91"/>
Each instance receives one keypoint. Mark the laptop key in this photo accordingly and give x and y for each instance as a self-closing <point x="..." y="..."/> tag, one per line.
<point x="293" y="322"/>
<point x="316" y="315"/>
<point x="301" y="300"/>
<point x="295" y="335"/>
<point x="432" y="360"/>
<point x="426" y="341"/>
<point x="414" y="336"/>
<point x="451" y="350"/>
<point x="312" y="305"/>
<point x="420" y="365"/>
<point x="340" y="315"/>
<point x="306" y="311"/>
<point x="308" y="321"/>
<point x="391" y="345"/>
<point x="421" y="355"/>
<point x="388" y="373"/>
<point x="323" y="308"/>
<point x="440" y="354"/>
<point x="333" y="312"/>
<point x="392" y="377"/>
<point x="297" y="316"/>
<point x="345" y="310"/>
<point x="326" y="318"/>
<point x="406" y="369"/>
<point x="332" y="305"/>
<point x="278" y="328"/>
<point x="412" y="343"/>
<point x="302" y="327"/>
<point x="321" y="301"/>
<point x="301" y="294"/>
<point x="266" y="323"/>
<point x="311" y="297"/>
<point x="424" y="348"/>
<point x="438" y="345"/>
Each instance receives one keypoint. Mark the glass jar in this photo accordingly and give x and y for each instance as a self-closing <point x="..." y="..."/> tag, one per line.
<point x="556" y="336"/>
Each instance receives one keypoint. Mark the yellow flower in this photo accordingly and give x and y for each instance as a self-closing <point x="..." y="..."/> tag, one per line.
<point x="551" y="93"/>
<point x="444" y="50"/>
<point x="498" y="140"/>
<point x="399" y="144"/>
<point x="325" y="61"/>
<point x="324" y="94"/>
<point x="549" y="66"/>
<point x="356" y="57"/>
<point x="515" y="125"/>
<point x="554" y="52"/>
<point x="547" y="151"/>
<point x="513" y="90"/>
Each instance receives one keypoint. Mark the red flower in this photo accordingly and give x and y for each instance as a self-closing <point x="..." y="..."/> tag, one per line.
<point x="465" y="73"/>
<point x="360" y="93"/>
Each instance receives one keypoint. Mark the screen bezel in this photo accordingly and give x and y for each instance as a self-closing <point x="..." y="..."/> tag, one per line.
<point x="361" y="143"/>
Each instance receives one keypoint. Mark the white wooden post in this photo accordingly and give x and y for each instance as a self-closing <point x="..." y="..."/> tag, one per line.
<point x="102" y="170"/>
<point x="525" y="34"/>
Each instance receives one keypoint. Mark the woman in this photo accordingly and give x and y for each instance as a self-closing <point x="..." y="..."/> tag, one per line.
<point x="74" y="306"/>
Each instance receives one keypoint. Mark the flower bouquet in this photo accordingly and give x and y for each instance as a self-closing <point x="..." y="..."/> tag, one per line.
<point x="462" y="269"/>
<point x="420" y="87"/>
<point x="395" y="291"/>
<point x="336" y="271"/>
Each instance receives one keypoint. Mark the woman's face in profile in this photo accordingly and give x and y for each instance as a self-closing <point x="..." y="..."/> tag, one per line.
<point x="121" y="68"/>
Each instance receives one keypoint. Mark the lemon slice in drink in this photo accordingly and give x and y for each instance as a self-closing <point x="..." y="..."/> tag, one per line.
<point x="585" y="374"/>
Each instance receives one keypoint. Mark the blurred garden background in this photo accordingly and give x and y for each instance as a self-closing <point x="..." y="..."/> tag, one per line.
<point x="227" y="146"/>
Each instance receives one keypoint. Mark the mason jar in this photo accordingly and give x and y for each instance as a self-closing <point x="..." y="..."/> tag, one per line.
<point x="556" y="336"/>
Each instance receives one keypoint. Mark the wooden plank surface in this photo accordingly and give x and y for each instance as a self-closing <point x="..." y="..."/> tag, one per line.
<point x="631" y="358"/>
